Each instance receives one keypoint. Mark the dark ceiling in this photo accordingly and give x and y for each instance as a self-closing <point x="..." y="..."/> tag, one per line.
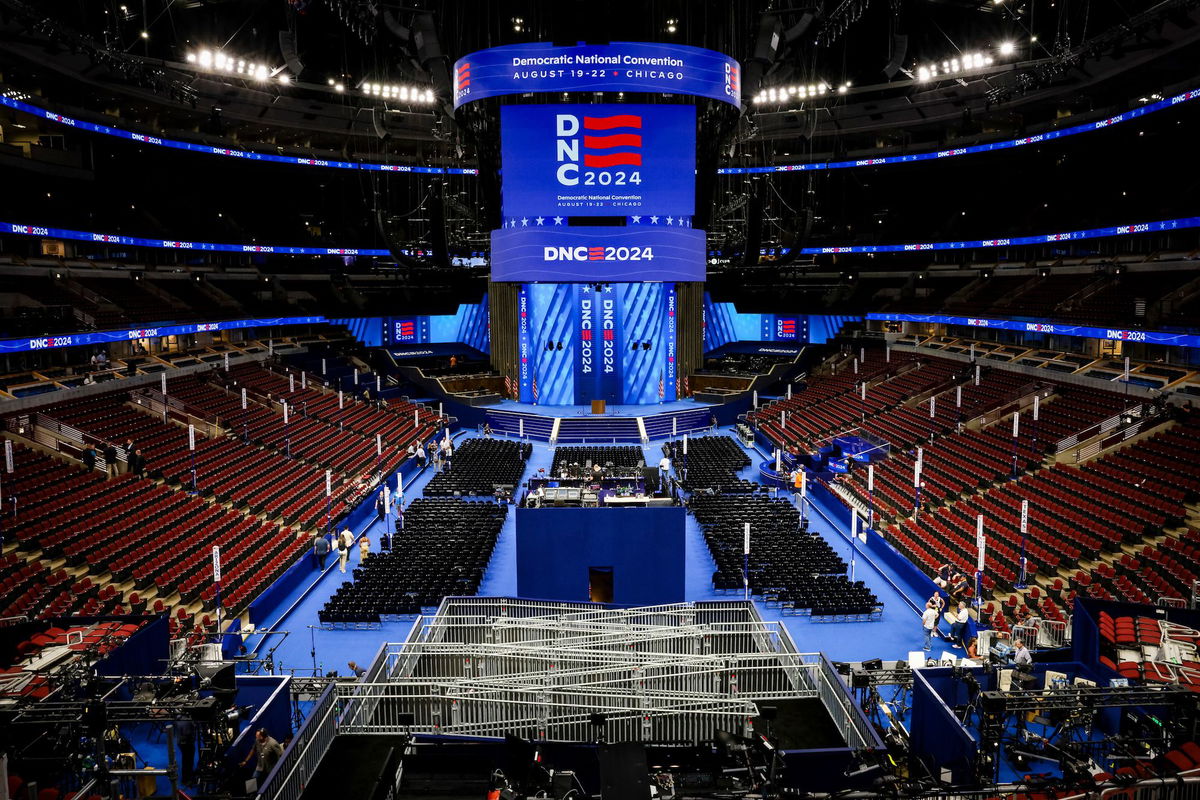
<point x="1070" y="61"/>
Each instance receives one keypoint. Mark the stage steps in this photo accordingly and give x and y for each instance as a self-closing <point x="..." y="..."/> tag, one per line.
<point x="598" y="429"/>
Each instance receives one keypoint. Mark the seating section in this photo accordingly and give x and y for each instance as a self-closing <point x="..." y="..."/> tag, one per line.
<point x="479" y="466"/>
<point x="789" y="566"/>
<point x="1075" y="514"/>
<point x="261" y="480"/>
<point x="305" y="438"/>
<point x="95" y="640"/>
<point x="1134" y="648"/>
<point x="626" y="460"/>
<point x="442" y="551"/>
<point x="395" y="423"/>
<point x="711" y="464"/>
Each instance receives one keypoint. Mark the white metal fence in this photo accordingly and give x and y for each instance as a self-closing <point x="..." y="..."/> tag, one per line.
<point x="486" y="667"/>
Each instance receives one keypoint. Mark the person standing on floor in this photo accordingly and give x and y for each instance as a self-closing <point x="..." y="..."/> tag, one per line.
<point x="320" y="551"/>
<point x="185" y="735"/>
<point x="88" y="457"/>
<point x="345" y="541"/>
<point x="128" y="448"/>
<point x="364" y="549"/>
<point x="420" y="456"/>
<point x="929" y="620"/>
<point x="110" y="460"/>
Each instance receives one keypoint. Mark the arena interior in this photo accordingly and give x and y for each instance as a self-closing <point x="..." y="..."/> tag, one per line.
<point x="620" y="400"/>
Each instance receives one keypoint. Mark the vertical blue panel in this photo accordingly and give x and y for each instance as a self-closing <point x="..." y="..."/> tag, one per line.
<point x="611" y="387"/>
<point x="525" y="346"/>
<point x="644" y="547"/>
<point x="671" y="323"/>
<point x="822" y="328"/>
<point x="368" y="330"/>
<point x="587" y="362"/>
<point x="641" y="307"/>
<point x="554" y="320"/>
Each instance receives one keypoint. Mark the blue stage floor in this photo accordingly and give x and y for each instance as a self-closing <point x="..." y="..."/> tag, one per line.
<point x="644" y="410"/>
<point x="893" y="636"/>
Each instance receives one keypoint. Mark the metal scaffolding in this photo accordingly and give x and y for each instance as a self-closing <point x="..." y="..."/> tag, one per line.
<point x="577" y="672"/>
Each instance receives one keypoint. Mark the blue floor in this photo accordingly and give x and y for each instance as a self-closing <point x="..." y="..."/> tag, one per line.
<point x="893" y="636"/>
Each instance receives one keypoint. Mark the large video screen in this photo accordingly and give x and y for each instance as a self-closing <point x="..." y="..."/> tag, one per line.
<point x="560" y="161"/>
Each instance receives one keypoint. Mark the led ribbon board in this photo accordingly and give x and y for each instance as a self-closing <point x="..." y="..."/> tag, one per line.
<point x="679" y="247"/>
<point x="110" y="337"/>
<point x="167" y="244"/>
<point x="245" y="155"/>
<point x="1048" y="136"/>
<point x="1137" y="113"/>
<point x="597" y="160"/>
<point x="614" y="67"/>
<point x="599" y="254"/>
<point x="1056" y="328"/>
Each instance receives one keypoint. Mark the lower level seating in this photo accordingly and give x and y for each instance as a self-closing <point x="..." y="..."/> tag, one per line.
<point x="442" y="550"/>
<point x="788" y="565"/>
<point x="478" y="466"/>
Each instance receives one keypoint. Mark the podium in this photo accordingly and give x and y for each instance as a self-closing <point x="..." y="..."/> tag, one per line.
<point x="598" y="407"/>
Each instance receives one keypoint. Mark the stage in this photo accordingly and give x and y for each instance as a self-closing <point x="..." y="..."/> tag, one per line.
<point x="639" y="410"/>
<point x="620" y="423"/>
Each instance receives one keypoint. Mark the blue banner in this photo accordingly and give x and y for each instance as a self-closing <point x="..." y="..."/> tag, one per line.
<point x="598" y="363"/>
<point x="169" y="244"/>
<point x="654" y="68"/>
<point x="111" y="337"/>
<point x="525" y="369"/>
<point x="1136" y="113"/>
<point x="1055" y="328"/>
<point x="648" y="252"/>
<point x="587" y="330"/>
<point x="671" y="370"/>
<point x="597" y="160"/>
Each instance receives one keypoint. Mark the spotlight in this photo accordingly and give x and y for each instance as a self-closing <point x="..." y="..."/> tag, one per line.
<point x="1007" y="48"/>
<point x="145" y="34"/>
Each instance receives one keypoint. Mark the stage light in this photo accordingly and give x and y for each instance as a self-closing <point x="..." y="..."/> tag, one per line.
<point x="1007" y="48"/>
<point x="285" y="79"/>
<point x="337" y="87"/>
<point x="145" y="34"/>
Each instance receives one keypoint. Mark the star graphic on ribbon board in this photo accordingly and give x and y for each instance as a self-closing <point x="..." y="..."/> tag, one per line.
<point x="670" y="220"/>
<point x="524" y="222"/>
<point x="540" y="220"/>
<point x="654" y="220"/>
<point x="636" y="220"/>
<point x="558" y="220"/>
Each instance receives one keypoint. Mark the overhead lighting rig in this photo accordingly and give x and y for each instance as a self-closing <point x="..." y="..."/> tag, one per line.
<point x="217" y="61"/>
<point x="404" y="94"/>
<point x="785" y="94"/>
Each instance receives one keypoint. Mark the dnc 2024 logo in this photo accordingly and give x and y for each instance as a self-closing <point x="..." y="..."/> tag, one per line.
<point x="598" y="151"/>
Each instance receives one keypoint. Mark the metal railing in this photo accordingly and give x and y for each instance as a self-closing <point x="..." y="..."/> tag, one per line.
<point x="1104" y="426"/>
<point x="60" y="437"/>
<point x="486" y="667"/>
<point x="308" y="747"/>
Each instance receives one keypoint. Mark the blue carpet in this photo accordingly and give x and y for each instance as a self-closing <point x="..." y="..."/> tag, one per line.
<point x="893" y="636"/>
